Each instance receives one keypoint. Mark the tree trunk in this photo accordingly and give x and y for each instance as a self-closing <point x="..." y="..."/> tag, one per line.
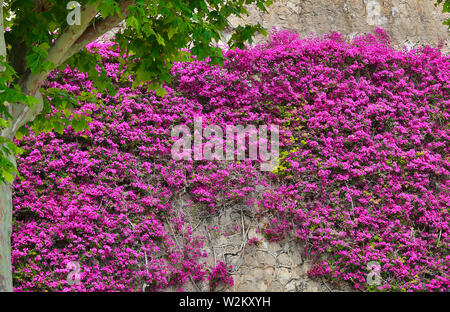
<point x="5" y="236"/>
<point x="5" y="203"/>
<point x="62" y="48"/>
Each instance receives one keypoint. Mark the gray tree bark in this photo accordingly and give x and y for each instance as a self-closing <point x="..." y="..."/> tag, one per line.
<point x="5" y="236"/>
<point x="5" y="201"/>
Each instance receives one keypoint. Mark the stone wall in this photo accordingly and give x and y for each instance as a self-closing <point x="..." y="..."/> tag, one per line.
<point x="270" y="266"/>
<point x="409" y="22"/>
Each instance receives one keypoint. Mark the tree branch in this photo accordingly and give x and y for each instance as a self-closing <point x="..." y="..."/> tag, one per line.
<point x="2" y="35"/>
<point x="69" y="43"/>
<point x="96" y="30"/>
<point x="21" y="113"/>
<point x="60" y="47"/>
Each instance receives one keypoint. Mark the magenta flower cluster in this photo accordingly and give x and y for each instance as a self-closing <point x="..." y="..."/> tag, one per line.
<point x="363" y="173"/>
<point x="220" y="276"/>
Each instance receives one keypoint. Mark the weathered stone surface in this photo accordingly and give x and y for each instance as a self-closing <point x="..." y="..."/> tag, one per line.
<point x="284" y="259"/>
<point x="270" y="266"/>
<point x="410" y="23"/>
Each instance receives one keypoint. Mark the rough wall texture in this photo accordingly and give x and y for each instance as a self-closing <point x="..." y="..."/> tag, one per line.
<point x="270" y="266"/>
<point x="409" y="22"/>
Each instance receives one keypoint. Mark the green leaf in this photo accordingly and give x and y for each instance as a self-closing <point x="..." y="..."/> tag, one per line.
<point x="172" y="31"/>
<point x="8" y="176"/>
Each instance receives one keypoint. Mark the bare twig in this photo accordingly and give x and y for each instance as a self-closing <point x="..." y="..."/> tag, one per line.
<point x="326" y="285"/>
<point x="212" y="246"/>
<point x="439" y="238"/>
<point x="351" y="198"/>
<point x="181" y="250"/>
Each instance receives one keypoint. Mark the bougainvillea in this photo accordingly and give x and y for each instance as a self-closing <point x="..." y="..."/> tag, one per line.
<point x="363" y="174"/>
<point x="220" y="275"/>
